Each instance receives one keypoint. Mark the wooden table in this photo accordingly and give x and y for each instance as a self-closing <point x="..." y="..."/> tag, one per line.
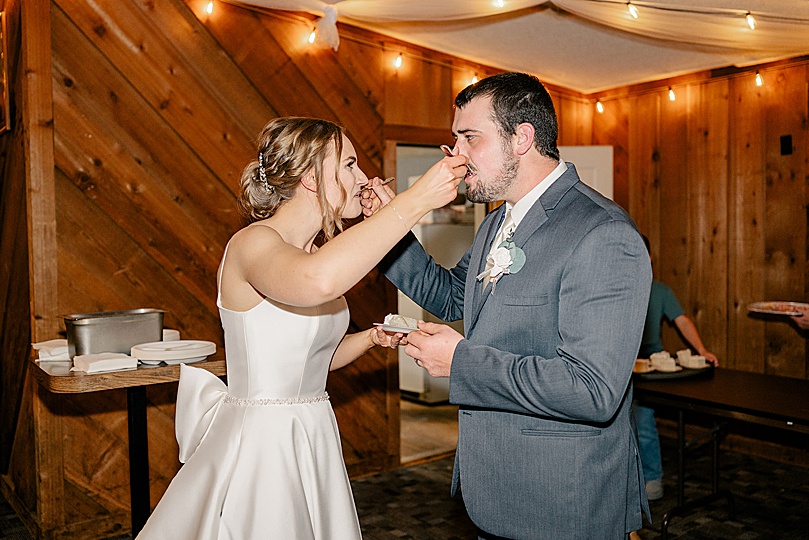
<point x="768" y="400"/>
<point x="57" y="378"/>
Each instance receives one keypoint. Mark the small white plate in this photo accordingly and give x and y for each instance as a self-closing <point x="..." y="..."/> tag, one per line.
<point x="394" y="329"/>
<point x="180" y="351"/>
<point x="675" y="370"/>
<point x="173" y="362"/>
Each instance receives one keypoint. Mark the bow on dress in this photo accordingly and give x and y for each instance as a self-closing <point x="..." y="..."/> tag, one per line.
<point x="199" y="396"/>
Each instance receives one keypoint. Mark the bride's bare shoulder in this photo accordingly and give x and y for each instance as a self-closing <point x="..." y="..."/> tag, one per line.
<point x="256" y="232"/>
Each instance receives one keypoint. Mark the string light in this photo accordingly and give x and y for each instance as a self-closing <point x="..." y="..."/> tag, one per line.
<point x="209" y="8"/>
<point x="759" y="80"/>
<point x="751" y="21"/>
<point x="474" y="78"/>
<point x="632" y="10"/>
<point x="499" y="3"/>
<point x="672" y="95"/>
<point x="312" y="36"/>
<point x="600" y="107"/>
<point x="398" y="62"/>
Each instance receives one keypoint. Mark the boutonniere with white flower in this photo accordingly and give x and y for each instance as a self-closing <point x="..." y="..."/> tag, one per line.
<point x="507" y="258"/>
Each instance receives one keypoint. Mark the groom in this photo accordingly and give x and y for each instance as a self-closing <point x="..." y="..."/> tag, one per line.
<point x="553" y="316"/>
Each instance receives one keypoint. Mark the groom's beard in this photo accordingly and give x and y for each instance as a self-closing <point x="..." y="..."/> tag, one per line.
<point x="496" y="189"/>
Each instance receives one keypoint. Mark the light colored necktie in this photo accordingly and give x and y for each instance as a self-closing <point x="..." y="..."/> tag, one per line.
<point x="506" y="229"/>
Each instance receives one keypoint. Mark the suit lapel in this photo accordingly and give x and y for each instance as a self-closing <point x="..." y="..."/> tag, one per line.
<point x="538" y="215"/>
<point x="473" y="295"/>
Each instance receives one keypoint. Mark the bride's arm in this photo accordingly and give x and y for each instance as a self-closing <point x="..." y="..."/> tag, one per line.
<point x="292" y="276"/>
<point x="355" y="345"/>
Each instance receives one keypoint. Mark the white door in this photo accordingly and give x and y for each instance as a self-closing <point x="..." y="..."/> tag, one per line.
<point x="594" y="165"/>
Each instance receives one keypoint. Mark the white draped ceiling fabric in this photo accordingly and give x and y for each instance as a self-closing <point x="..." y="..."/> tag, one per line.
<point x="585" y="45"/>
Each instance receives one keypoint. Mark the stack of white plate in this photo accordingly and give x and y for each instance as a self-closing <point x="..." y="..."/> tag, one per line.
<point x="183" y="351"/>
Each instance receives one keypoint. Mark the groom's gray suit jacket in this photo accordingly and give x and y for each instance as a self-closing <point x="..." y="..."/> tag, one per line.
<point x="546" y="446"/>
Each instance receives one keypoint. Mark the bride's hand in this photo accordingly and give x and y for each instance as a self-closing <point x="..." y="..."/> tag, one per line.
<point x="439" y="185"/>
<point x="384" y="339"/>
<point x="375" y="196"/>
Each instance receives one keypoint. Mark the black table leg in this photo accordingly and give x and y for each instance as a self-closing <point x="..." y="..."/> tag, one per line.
<point x="138" y="457"/>
<point x="716" y="494"/>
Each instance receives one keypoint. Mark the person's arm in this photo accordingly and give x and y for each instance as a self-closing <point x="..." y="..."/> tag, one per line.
<point x="292" y="276"/>
<point x="355" y="345"/>
<point x="689" y="331"/>
<point x="802" y="320"/>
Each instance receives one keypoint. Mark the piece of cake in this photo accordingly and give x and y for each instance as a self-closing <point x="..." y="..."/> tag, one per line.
<point x="663" y="361"/>
<point x="694" y="362"/>
<point x="401" y="321"/>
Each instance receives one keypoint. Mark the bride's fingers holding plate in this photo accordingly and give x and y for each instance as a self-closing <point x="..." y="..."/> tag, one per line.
<point x="387" y="339"/>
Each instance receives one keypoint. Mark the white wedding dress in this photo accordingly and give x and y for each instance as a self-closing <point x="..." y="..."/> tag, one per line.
<point x="262" y="456"/>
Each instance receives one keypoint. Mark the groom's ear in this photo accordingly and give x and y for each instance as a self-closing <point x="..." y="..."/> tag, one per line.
<point x="523" y="138"/>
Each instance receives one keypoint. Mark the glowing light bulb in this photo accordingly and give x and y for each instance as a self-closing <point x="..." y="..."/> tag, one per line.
<point x="751" y="21"/>
<point x="499" y="3"/>
<point x="474" y="78"/>
<point x="672" y="95"/>
<point x="759" y="80"/>
<point x="632" y="10"/>
<point x="313" y="36"/>
<point x="398" y="62"/>
<point x="209" y="7"/>
<point x="600" y="107"/>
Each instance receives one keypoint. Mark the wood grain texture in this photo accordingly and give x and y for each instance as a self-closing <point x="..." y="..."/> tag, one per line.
<point x="136" y="119"/>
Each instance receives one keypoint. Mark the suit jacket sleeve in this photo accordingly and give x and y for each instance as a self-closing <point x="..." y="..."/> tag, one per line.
<point x="414" y="272"/>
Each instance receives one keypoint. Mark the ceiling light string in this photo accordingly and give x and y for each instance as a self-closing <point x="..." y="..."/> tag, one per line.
<point x="634" y="7"/>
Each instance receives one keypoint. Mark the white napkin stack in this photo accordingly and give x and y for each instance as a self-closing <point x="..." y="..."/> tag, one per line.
<point x="100" y="362"/>
<point x="54" y="350"/>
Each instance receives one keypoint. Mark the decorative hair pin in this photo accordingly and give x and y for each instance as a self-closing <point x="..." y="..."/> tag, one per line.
<point x="262" y="174"/>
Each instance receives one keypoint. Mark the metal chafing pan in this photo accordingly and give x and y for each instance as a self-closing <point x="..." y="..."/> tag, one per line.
<point x="112" y="331"/>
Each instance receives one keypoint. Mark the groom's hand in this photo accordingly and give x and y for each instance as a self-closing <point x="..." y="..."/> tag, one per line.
<point x="433" y="347"/>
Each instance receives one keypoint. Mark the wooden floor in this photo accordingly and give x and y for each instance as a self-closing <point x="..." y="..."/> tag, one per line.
<point x="427" y="430"/>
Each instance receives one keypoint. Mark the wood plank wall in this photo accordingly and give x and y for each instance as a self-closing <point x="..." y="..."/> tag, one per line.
<point x="155" y="109"/>
<point x="704" y="178"/>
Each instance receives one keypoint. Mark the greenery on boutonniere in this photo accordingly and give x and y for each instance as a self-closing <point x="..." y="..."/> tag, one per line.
<point x="507" y="258"/>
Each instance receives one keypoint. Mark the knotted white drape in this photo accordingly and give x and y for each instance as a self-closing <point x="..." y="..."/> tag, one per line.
<point x="711" y="24"/>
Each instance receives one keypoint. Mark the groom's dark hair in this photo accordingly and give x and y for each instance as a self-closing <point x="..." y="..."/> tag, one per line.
<point x="518" y="98"/>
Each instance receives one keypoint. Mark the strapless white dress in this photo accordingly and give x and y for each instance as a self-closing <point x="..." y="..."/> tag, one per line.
<point x="262" y="455"/>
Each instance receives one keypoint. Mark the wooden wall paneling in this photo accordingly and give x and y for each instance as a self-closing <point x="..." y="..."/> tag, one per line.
<point x="644" y="139"/>
<point x="37" y="119"/>
<point x="37" y="109"/>
<point x="785" y="232"/>
<point x="330" y="83"/>
<point x="153" y="187"/>
<point x="419" y="93"/>
<point x="295" y="78"/>
<point x="805" y="145"/>
<point x="111" y="271"/>
<point x="706" y="298"/>
<point x="746" y="221"/>
<point x="15" y="301"/>
<point x="670" y="255"/>
<point x="139" y="48"/>
<point x="575" y="118"/>
<point x="19" y="484"/>
<point x="612" y="128"/>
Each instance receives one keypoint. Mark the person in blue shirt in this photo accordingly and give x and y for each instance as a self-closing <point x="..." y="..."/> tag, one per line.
<point x="663" y="305"/>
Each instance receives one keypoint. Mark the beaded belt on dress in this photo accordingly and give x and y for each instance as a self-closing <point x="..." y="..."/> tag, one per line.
<point x="277" y="401"/>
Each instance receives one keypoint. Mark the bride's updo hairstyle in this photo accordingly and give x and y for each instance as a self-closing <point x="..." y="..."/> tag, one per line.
<point x="288" y="148"/>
